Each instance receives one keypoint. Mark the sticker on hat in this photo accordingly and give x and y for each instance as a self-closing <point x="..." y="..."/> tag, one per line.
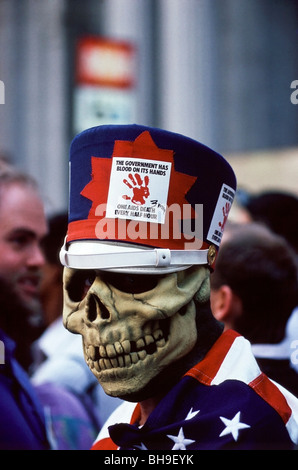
<point x="221" y="212"/>
<point x="138" y="189"/>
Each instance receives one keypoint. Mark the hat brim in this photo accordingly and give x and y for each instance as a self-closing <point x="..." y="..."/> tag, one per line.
<point x="128" y="258"/>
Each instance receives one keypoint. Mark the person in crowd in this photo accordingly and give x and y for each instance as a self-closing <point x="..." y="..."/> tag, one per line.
<point x="22" y="228"/>
<point x="254" y="290"/>
<point x="147" y="211"/>
<point x="51" y="295"/>
<point x="278" y="210"/>
<point x="67" y="420"/>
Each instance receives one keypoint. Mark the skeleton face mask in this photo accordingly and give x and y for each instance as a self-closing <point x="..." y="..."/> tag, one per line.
<point x="133" y="326"/>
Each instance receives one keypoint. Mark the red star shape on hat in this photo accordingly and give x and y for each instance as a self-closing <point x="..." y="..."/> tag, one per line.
<point x="142" y="147"/>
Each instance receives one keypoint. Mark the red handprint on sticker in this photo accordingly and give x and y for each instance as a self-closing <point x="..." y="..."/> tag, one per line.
<point x="140" y="190"/>
<point x="225" y="212"/>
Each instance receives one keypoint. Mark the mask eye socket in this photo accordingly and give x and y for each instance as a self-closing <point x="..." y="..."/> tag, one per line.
<point x="79" y="284"/>
<point x="131" y="283"/>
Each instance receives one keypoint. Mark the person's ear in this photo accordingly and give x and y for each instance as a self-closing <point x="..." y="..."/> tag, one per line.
<point x="225" y="305"/>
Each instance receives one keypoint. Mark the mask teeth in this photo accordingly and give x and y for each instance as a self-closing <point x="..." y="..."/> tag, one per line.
<point x="125" y="353"/>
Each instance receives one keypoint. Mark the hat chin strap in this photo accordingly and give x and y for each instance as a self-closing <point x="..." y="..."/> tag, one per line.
<point x="135" y="260"/>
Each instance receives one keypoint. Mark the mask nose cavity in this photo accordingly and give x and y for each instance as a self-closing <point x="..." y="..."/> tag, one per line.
<point x="96" y="309"/>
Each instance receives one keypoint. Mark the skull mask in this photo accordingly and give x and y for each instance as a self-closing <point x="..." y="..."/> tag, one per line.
<point x="133" y="326"/>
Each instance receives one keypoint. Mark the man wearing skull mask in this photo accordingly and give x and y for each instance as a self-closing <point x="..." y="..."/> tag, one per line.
<point x="147" y="212"/>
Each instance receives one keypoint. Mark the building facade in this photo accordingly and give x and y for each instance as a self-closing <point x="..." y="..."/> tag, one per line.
<point x="219" y="71"/>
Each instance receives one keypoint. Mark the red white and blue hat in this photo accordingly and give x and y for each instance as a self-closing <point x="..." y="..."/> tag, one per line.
<point x="144" y="200"/>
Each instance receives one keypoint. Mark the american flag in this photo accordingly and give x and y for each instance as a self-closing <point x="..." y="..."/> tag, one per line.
<point x="224" y="402"/>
